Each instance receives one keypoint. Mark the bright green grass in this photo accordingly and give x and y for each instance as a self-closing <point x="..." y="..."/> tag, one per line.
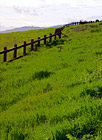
<point x="56" y="92"/>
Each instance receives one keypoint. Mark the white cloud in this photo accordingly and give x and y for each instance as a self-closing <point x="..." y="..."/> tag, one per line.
<point x="26" y="10"/>
<point x="37" y="3"/>
<point x="26" y="3"/>
<point x="47" y="13"/>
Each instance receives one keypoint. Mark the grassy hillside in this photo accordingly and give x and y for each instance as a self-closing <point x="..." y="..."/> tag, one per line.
<point x="56" y="92"/>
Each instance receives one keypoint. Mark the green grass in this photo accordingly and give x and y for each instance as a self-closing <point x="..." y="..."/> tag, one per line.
<point x="54" y="93"/>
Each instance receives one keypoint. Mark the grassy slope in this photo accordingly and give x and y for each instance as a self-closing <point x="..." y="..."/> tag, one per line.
<point x="55" y="91"/>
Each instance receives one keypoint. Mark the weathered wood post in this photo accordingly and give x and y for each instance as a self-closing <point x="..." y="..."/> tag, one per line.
<point x="5" y="54"/>
<point x="59" y="34"/>
<point x="38" y="41"/>
<point x="24" y="49"/>
<point x="50" y="39"/>
<point x="15" y="51"/>
<point x="44" y="39"/>
<point x="32" y="44"/>
<point x="55" y="36"/>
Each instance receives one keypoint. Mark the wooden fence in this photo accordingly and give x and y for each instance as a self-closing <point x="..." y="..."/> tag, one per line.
<point x="27" y="44"/>
<point x="57" y="32"/>
<point x="81" y="22"/>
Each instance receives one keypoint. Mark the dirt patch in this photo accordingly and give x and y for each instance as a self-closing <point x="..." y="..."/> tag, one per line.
<point x="79" y="29"/>
<point x="84" y="27"/>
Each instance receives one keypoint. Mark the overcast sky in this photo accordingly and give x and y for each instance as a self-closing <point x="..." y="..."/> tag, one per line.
<point x="18" y="13"/>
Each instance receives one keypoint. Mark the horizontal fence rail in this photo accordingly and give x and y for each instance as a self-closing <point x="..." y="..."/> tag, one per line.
<point x="57" y="33"/>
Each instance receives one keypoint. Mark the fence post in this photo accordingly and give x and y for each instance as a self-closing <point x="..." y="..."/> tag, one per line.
<point x="5" y="54"/>
<point x="55" y="36"/>
<point x="44" y="39"/>
<point x="24" y="50"/>
<point x="38" y="41"/>
<point x="32" y="40"/>
<point x="15" y="51"/>
<point x="59" y="34"/>
<point x="50" y="39"/>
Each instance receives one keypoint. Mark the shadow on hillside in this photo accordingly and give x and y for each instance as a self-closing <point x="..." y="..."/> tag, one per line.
<point x="85" y="130"/>
<point x="64" y="35"/>
<point x="93" y="93"/>
<point x="55" y="43"/>
<point x="41" y="75"/>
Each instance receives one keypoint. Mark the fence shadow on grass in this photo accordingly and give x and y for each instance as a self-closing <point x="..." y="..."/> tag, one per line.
<point x="55" y="43"/>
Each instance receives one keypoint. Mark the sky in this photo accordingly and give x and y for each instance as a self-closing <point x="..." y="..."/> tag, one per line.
<point x="45" y="13"/>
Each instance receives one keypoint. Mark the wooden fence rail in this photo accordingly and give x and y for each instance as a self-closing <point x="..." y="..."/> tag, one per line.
<point x="27" y="44"/>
